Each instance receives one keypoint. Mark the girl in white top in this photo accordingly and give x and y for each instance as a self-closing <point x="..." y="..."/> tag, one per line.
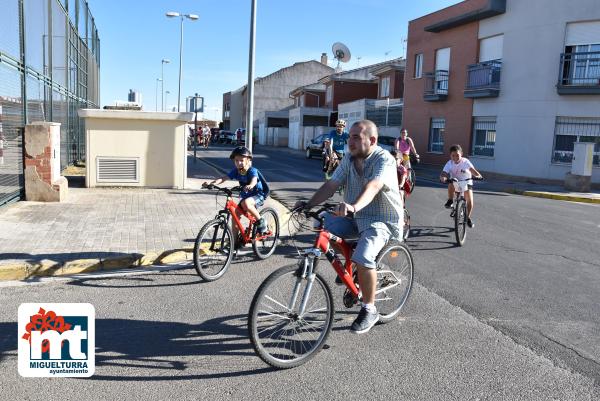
<point x="460" y="168"/>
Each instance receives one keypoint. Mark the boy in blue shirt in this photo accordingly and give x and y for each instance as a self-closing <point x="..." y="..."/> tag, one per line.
<point x="253" y="193"/>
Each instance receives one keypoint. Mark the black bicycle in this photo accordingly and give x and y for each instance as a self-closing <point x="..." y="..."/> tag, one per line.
<point x="459" y="209"/>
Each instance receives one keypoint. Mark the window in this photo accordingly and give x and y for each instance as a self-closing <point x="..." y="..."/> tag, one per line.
<point x="436" y="135"/>
<point x="329" y="94"/>
<point x="484" y="136"/>
<point x="569" y="130"/>
<point x="586" y="68"/>
<point x="418" y="65"/>
<point x="384" y="88"/>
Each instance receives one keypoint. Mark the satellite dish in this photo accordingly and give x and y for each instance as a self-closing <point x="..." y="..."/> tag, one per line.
<point x="341" y="53"/>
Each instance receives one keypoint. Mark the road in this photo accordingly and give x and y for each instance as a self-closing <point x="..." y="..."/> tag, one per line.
<point x="512" y="315"/>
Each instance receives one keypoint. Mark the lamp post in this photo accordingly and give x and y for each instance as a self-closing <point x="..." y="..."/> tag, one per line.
<point x="162" y="85"/>
<point x="156" y="94"/>
<point x="250" y="121"/>
<point x="193" y="17"/>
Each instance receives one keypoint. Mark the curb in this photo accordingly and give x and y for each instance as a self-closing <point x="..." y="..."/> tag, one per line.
<point x="552" y="195"/>
<point x="51" y="268"/>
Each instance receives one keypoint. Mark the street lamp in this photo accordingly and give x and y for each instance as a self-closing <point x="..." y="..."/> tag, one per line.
<point x="162" y="85"/>
<point x="156" y="94"/>
<point x="193" y="17"/>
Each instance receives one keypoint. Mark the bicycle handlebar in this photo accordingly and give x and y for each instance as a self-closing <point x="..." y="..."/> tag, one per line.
<point x="449" y="180"/>
<point x="326" y="207"/>
<point x="228" y="191"/>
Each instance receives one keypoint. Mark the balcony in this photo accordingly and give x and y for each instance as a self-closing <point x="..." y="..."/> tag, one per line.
<point x="436" y="86"/>
<point x="579" y="74"/>
<point x="483" y="79"/>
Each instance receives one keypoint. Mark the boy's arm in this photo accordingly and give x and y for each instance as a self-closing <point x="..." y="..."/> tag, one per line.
<point x="444" y="176"/>
<point x="475" y="172"/>
<point x="251" y="184"/>
<point x="219" y="180"/>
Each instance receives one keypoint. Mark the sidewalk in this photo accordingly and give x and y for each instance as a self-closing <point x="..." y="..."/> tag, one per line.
<point x="516" y="186"/>
<point x="99" y="229"/>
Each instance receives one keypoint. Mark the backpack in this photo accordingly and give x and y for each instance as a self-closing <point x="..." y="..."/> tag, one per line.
<point x="265" y="185"/>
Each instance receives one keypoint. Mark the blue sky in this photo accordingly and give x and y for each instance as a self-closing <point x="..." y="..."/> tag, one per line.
<point x="135" y="36"/>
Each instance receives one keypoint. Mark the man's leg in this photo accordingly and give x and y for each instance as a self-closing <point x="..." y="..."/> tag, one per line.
<point x="370" y="243"/>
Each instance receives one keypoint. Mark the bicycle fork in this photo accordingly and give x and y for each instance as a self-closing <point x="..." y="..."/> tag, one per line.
<point x="306" y="272"/>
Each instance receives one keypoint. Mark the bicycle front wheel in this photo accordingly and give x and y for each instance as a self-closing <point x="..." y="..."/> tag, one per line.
<point x="460" y="222"/>
<point x="406" y="232"/>
<point x="264" y="245"/>
<point x="395" y="271"/>
<point x="213" y="250"/>
<point x="281" y="335"/>
<point x="411" y="179"/>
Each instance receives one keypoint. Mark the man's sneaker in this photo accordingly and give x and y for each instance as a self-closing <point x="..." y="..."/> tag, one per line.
<point x="448" y="204"/>
<point x="470" y="223"/>
<point x="364" y="321"/>
<point x="261" y="226"/>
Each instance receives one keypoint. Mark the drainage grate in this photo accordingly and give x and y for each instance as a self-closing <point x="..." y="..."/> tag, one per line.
<point x="117" y="169"/>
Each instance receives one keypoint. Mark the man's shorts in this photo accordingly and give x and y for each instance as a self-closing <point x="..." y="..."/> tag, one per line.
<point x="370" y="242"/>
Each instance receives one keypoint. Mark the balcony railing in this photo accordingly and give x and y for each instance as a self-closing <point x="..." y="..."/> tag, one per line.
<point x="436" y="85"/>
<point x="483" y="79"/>
<point x="579" y="74"/>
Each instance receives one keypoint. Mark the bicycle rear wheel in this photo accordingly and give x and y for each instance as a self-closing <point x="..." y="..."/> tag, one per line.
<point x="460" y="222"/>
<point x="264" y="245"/>
<point x="213" y="250"/>
<point x="406" y="232"/>
<point x="395" y="271"/>
<point x="279" y="334"/>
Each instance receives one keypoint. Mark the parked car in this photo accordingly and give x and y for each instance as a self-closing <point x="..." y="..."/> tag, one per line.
<point x="386" y="142"/>
<point x="315" y="147"/>
<point x="225" y="136"/>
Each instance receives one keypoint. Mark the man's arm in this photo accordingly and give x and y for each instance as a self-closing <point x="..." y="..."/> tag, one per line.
<point x="325" y="192"/>
<point x="370" y="190"/>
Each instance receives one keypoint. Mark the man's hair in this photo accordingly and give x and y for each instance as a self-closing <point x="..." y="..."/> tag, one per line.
<point x="456" y="148"/>
<point x="369" y="127"/>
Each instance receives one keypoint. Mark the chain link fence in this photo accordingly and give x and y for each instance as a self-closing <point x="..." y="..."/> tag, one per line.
<point x="49" y="68"/>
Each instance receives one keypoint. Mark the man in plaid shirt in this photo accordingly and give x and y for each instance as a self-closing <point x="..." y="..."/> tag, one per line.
<point x="371" y="194"/>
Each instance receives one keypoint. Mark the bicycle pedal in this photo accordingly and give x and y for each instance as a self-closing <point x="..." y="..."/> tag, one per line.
<point x="348" y="299"/>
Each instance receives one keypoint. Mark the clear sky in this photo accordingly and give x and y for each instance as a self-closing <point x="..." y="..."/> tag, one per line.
<point x="136" y="35"/>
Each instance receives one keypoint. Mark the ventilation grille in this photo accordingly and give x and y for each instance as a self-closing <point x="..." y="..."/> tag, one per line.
<point x="117" y="169"/>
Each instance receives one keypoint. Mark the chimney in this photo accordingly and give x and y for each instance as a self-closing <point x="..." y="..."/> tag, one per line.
<point x="324" y="58"/>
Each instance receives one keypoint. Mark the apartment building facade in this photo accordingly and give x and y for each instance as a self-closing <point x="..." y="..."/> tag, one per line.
<point x="515" y="83"/>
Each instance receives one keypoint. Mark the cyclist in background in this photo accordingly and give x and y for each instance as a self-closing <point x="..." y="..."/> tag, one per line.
<point x="338" y="139"/>
<point x="404" y="145"/>
<point x="460" y="168"/>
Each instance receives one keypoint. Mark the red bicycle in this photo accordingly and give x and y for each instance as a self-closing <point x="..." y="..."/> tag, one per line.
<point x="214" y="247"/>
<point x="292" y="312"/>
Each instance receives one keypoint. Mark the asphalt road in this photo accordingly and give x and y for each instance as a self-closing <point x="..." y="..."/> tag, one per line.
<point x="513" y="315"/>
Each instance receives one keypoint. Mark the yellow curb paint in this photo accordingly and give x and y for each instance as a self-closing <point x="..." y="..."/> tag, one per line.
<point x="174" y="256"/>
<point x="569" y="198"/>
<point x="44" y="268"/>
<point x="79" y="266"/>
<point x="13" y="271"/>
<point x="122" y="262"/>
<point x="148" y="259"/>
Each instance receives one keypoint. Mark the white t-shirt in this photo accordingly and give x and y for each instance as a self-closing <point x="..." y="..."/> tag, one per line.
<point x="460" y="170"/>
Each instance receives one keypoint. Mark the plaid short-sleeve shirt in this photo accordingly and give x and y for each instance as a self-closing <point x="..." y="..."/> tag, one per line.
<point x="386" y="209"/>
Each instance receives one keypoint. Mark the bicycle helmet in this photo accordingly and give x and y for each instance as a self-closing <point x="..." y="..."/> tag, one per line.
<point x="340" y="122"/>
<point x="241" y="151"/>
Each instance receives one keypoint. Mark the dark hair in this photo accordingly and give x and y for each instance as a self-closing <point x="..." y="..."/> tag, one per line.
<point x="241" y="151"/>
<point x="456" y="148"/>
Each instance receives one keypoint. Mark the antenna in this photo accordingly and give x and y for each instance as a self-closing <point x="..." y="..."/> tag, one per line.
<point x="341" y="53"/>
<point x="403" y="40"/>
<point x="358" y="61"/>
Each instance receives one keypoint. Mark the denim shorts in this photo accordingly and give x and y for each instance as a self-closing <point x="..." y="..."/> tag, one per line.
<point x="259" y="200"/>
<point x="370" y="242"/>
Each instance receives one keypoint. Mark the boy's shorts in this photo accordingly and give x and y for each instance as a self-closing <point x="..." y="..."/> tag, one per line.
<point x="370" y="242"/>
<point x="259" y="200"/>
